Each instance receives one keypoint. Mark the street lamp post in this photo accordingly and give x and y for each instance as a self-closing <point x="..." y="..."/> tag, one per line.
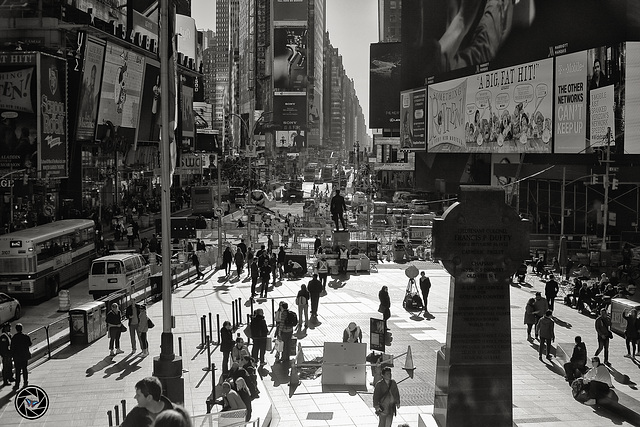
<point x="11" y="194"/>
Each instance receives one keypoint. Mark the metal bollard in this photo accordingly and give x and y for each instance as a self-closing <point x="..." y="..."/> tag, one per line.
<point x="208" y="367"/>
<point x="218" y="326"/>
<point x="180" y="346"/>
<point x="124" y="409"/>
<point x="251" y="301"/>
<point x="210" y="327"/>
<point x="273" y="312"/>
<point x="110" y="416"/>
<point x="239" y="305"/>
<point x="117" y="411"/>
<point x="202" y="334"/>
<point x="248" y="323"/>
<point x="213" y="381"/>
<point x="233" y="314"/>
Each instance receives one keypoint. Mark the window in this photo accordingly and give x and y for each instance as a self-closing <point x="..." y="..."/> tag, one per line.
<point x="97" y="268"/>
<point x="113" y="267"/>
<point x="393" y="4"/>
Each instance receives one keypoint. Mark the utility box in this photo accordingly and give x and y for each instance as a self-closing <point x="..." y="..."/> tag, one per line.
<point x="88" y="322"/>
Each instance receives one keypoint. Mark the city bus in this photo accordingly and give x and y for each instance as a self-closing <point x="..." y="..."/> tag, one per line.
<point x="36" y="262"/>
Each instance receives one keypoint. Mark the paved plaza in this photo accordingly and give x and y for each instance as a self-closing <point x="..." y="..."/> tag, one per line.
<point x="84" y="382"/>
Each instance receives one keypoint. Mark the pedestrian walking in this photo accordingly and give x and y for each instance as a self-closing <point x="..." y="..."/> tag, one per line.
<point x="114" y="323"/>
<point x="547" y="334"/>
<point x="317" y="244"/>
<point x="151" y="403"/>
<point x="227" y="259"/>
<point x="250" y="259"/>
<point x="551" y="291"/>
<point x="290" y="321"/>
<point x="196" y="263"/>
<point x="603" y="329"/>
<point x="269" y="244"/>
<point x="530" y="317"/>
<point x="302" y="301"/>
<point x="425" y="287"/>
<point x="259" y="335"/>
<point x="133" y="313"/>
<point x="343" y="259"/>
<point x="265" y="272"/>
<point x="143" y="328"/>
<point x="282" y="258"/>
<point x="541" y="306"/>
<point x="385" y="303"/>
<point x="130" y="236"/>
<point x="20" y="344"/>
<point x="5" y="353"/>
<point x="322" y="268"/>
<point x="254" y="271"/>
<point x="386" y="398"/>
<point x="243" y="248"/>
<point x="315" y="289"/>
<point x="577" y="365"/>
<point x="273" y="264"/>
<point x="239" y="260"/>
<point x="631" y="331"/>
<point x="226" y="345"/>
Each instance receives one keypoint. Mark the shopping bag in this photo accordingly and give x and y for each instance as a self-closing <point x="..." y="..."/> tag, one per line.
<point x="269" y="347"/>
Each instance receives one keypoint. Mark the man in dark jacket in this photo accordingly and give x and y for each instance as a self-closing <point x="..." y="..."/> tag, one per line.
<point x="317" y="244"/>
<point x="551" y="291"/>
<point x="315" y="289"/>
<point x="337" y="208"/>
<point x="196" y="263"/>
<point x="151" y="402"/>
<point x="603" y="328"/>
<point x="259" y="334"/>
<point x="577" y="365"/>
<point x="20" y="344"/>
<point x="5" y="353"/>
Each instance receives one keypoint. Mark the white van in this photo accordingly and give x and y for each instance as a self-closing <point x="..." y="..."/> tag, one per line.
<point x="115" y="272"/>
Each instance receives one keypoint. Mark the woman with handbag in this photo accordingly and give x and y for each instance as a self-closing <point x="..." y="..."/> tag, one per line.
<point x="386" y="398"/>
<point x="385" y="303"/>
<point x="116" y="328"/>
<point x="143" y="328"/>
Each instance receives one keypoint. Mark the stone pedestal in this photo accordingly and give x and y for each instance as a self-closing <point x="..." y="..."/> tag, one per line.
<point x="340" y="238"/>
<point x="481" y="242"/>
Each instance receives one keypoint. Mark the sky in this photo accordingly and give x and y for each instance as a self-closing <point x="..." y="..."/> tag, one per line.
<point x="352" y="26"/>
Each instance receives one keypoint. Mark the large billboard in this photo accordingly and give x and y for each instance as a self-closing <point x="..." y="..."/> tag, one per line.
<point x="52" y="141"/>
<point x="590" y="100"/>
<point x="290" y="111"/>
<point x="290" y="10"/>
<point x="290" y="59"/>
<point x="291" y="141"/>
<point x="150" y="117"/>
<point x="413" y="119"/>
<point x="19" y="108"/>
<point x="439" y="36"/>
<point x="120" y="93"/>
<point x="384" y="85"/>
<point x="90" y="90"/>
<point x="502" y="111"/>
<point x="632" y="99"/>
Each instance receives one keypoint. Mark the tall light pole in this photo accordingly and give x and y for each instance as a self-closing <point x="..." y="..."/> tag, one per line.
<point x="11" y="194"/>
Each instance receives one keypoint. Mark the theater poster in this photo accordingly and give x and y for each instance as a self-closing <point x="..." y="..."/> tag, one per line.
<point x="52" y="147"/>
<point x="508" y="110"/>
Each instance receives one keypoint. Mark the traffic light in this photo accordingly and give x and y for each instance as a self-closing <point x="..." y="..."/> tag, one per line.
<point x="594" y="179"/>
<point x="614" y="184"/>
<point x="388" y="338"/>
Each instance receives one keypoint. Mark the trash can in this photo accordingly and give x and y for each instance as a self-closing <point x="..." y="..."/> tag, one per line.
<point x="156" y="283"/>
<point x="398" y="251"/>
<point x="88" y="322"/>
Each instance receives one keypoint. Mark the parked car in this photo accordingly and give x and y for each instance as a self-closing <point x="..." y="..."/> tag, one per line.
<point x="9" y="308"/>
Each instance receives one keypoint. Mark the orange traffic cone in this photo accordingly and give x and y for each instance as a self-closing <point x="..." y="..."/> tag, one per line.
<point x="408" y="363"/>
<point x="294" y="378"/>
<point x="299" y="355"/>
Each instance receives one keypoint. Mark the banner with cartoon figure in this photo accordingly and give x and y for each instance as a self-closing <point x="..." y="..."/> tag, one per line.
<point x="499" y="111"/>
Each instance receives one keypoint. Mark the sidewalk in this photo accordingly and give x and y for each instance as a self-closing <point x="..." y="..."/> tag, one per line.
<point x="83" y="383"/>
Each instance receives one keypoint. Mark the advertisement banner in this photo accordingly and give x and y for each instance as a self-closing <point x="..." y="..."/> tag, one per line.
<point x="89" y="92"/>
<point x="186" y="29"/>
<point x="384" y="85"/>
<point x="632" y="99"/>
<point x="290" y="59"/>
<point x="290" y="111"/>
<point x="413" y="125"/>
<point x="52" y="143"/>
<point x="120" y="92"/>
<point x="187" y="111"/>
<point x="290" y="10"/>
<point x="18" y="111"/>
<point x="107" y="11"/>
<point x="602" y="116"/>
<point x="571" y="103"/>
<point x="291" y="141"/>
<point x="501" y="111"/>
<point x="150" y="117"/>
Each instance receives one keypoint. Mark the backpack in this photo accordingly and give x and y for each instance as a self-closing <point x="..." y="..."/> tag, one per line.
<point x="291" y="319"/>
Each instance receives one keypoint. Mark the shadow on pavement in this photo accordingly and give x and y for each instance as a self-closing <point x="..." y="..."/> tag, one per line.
<point x="108" y="360"/>
<point x="68" y="351"/>
<point x="126" y="366"/>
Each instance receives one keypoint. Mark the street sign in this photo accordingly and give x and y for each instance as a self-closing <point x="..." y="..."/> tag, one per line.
<point x="6" y="183"/>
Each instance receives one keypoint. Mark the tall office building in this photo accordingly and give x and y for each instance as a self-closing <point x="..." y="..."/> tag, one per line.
<point x="390" y="20"/>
